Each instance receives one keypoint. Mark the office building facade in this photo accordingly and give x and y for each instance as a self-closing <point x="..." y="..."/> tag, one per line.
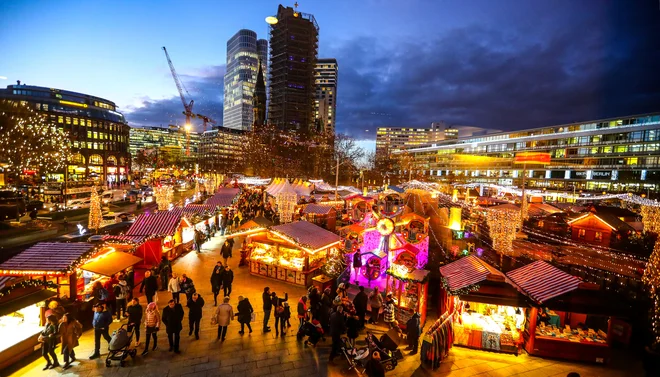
<point x="221" y="150"/>
<point x="391" y="140"/>
<point x="173" y="144"/>
<point x="244" y="55"/>
<point x="610" y="155"/>
<point x="325" y="110"/>
<point x="293" y="54"/>
<point x="98" y="133"/>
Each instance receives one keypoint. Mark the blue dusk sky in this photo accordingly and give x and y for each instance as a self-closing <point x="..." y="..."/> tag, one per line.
<point x="486" y="63"/>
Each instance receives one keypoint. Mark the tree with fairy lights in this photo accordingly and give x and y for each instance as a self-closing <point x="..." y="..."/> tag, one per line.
<point x="651" y="277"/>
<point x="29" y="142"/>
<point x="503" y="226"/>
<point x="163" y="196"/>
<point x="95" y="214"/>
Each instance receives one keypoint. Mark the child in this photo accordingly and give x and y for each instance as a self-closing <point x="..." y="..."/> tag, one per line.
<point x="284" y="318"/>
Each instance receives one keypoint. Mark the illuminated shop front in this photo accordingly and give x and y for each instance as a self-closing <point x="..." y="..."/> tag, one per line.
<point x="409" y="287"/>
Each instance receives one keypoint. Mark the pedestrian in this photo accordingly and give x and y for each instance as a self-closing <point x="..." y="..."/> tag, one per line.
<point x="223" y="316"/>
<point x="279" y="310"/>
<point x="337" y="328"/>
<point x="66" y="224"/>
<point x="223" y="224"/>
<point x="164" y="269"/>
<point x="55" y="309"/>
<point x="195" y="314"/>
<point x="130" y="280"/>
<point x="326" y="307"/>
<point x="101" y="323"/>
<point x="360" y="303"/>
<point x="70" y="331"/>
<point x="268" y="307"/>
<point x="302" y="311"/>
<point x="48" y="340"/>
<point x="187" y="287"/>
<point x="227" y="280"/>
<point x="216" y="281"/>
<point x="174" y="287"/>
<point x="225" y="251"/>
<point x="111" y="300"/>
<point x="134" y="310"/>
<point x="122" y="293"/>
<point x="314" y="301"/>
<point x="352" y="329"/>
<point x="388" y="310"/>
<point x="374" y="366"/>
<point x="197" y="239"/>
<point x="173" y="320"/>
<point x="236" y="220"/>
<point x="376" y="301"/>
<point x="284" y="318"/>
<point x="149" y="285"/>
<point x="152" y="325"/>
<point x="413" y="331"/>
<point x="244" y="315"/>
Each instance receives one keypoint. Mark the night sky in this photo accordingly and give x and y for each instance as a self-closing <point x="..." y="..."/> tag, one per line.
<point x="494" y="64"/>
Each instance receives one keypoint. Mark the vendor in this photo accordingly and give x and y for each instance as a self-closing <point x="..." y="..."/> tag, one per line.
<point x="544" y="316"/>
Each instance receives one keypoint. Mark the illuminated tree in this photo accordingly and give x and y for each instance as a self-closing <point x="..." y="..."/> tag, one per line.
<point x="651" y="277"/>
<point x="29" y="142"/>
<point x="503" y="226"/>
<point x="95" y="214"/>
<point x="163" y="196"/>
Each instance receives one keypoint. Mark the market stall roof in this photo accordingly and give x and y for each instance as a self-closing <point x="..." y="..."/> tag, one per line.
<point x="110" y="263"/>
<point x="307" y="235"/>
<point x="4" y="280"/>
<point x="359" y="197"/>
<point x="189" y="211"/>
<point x="418" y="276"/>
<point x="46" y="257"/>
<point x="353" y="228"/>
<point x="468" y="271"/>
<point x="408" y="217"/>
<point x="124" y="238"/>
<point x="318" y="209"/>
<point x="25" y="301"/>
<point x="223" y="198"/>
<point x="541" y="281"/>
<point x="159" y="223"/>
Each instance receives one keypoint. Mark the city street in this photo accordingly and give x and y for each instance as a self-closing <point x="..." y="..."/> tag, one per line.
<point x="260" y="354"/>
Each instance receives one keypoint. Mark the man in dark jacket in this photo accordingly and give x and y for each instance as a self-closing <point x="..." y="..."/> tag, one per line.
<point x="268" y="307"/>
<point x="101" y="323"/>
<point x="216" y="281"/>
<point x="195" y="314"/>
<point x="187" y="287"/>
<point x="150" y="286"/>
<point x="360" y="302"/>
<point x="314" y="301"/>
<point x="413" y="331"/>
<point x="278" y="304"/>
<point x="337" y="327"/>
<point x="227" y="280"/>
<point x="225" y="250"/>
<point x="173" y="318"/>
<point x="164" y="270"/>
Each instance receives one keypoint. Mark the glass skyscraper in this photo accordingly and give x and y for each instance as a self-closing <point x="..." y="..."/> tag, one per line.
<point x="244" y="52"/>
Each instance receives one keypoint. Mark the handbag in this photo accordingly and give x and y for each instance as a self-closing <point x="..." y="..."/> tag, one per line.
<point x="253" y="317"/>
<point x="214" y="320"/>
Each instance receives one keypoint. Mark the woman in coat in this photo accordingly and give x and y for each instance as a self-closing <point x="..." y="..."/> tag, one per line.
<point x="376" y="301"/>
<point x="216" y="281"/>
<point x="48" y="339"/>
<point x="134" y="311"/>
<point x="152" y="324"/>
<point x="70" y="331"/>
<point x="223" y="316"/>
<point x="244" y="314"/>
<point x="388" y="311"/>
<point x="302" y="310"/>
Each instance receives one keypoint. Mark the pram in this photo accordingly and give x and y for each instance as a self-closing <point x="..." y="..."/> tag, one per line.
<point x="118" y="348"/>
<point x="310" y="331"/>
<point x="358" y="358"/>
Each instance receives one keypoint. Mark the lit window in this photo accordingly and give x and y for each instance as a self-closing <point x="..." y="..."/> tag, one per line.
<point x="89" y="134"/>
<point x="96" y="135"/>
<point x="581" y="233"/>
<point x="599" y="236"/>
<point x="68" y="120"/>
<point x="60" y="119"/>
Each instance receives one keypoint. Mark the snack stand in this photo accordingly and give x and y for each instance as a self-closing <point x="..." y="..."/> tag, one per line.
<point x="293" y="252"/>
<point x="410" y="292"/>
<point x="487" y="312"/>
<point x="571" y="331"/>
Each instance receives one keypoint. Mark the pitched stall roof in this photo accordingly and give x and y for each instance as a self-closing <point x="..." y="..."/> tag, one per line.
<point x="318" y="209"/>
<point x="158" y="223"/>
<point x="223" y="198"/>
<point x="467" y="271"/>
<point x="124" y="238"/>
<point x="307" y="234"/>
<point x="47" y="256"/>
<point x="541" y="281"/>
<point x="605" y="218"/>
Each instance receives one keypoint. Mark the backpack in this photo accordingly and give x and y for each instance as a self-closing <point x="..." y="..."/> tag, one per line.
<point x="117" y="290"/>
<point x="103" y="294"/>
<point x="279" y="310"/>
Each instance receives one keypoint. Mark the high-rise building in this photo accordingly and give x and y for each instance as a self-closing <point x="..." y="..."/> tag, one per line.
<point x="293" y="51"/>
<point x="259" y="100"/>
<point x="221" y="150"/>
<point x="325" y="74"/>
<point x="172" y="143"/>
<point x="244" y="53"/>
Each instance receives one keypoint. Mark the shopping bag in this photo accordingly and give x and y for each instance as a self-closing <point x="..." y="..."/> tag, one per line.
<point x="253" y="317"/>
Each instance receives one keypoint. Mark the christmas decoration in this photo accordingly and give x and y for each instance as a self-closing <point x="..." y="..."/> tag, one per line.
<point x="163" y="196"/>
<point x="95" y="214"/>
<point x="335" y="264"/>
<point x="286" y="200"/>
<point x="458" y="292"/>
<point x="503" y="225"/>
<point x="27" y="284"/>
<point x="651" y="277"/>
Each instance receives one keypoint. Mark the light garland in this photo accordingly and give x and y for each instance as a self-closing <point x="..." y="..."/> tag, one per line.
<point x="286" y="205"/>
<point x="651" y="277"/>
<point x="95" y="214"/>
<point x="458" y="292"/>
<point x="503" y="226"/>
<point x="163" y="196"/>
<point x="27" y="284"/>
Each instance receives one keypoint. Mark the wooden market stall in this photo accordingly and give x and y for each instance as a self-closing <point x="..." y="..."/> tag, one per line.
<point x="292" y="252"/>
<point x="410" y="292"/>
<point x="579" y="325"/>
<point x="321" y="215"/>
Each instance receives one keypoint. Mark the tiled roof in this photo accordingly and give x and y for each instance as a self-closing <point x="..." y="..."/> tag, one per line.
<point x="317" y="209"/>
<point x="467" y="271"/>
<point x="541" y="281"/>
<point x="307" y="234"/>
<point x="48" y="256"/>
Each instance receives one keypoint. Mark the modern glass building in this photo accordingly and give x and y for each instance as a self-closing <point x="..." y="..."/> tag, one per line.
<point x="173" y="141"/>
<point x="244" y="53"/>
<point x="612" y="155"/>
<point x="99" y="134"/>
<point x="325" y="110"/>
<point x="221" y="150"/>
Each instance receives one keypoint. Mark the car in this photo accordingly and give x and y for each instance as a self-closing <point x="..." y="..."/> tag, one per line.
<point x="79" y="203"/>
<point x="95" y="238"/>
<point x="35" y="204"/>
<point x="116" y="217"/>
<point x="147" y="191"/>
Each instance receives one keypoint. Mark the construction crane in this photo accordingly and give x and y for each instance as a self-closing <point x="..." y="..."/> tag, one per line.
<point x="186" y="106"/>
<point x="206" y="120"/>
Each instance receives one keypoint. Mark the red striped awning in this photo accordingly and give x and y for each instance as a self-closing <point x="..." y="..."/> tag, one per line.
<point x="47" y="256"/>
<point x="124" y="238"/>
<point x="223" y="198"/>
<point x="467" y="271"/>
<point x="159" y="223"/>
<point x="541" y="281"/>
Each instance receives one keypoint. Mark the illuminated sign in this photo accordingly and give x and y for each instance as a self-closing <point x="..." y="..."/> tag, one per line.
<point x="532" y="158"/>
<point x="73" y="103"/>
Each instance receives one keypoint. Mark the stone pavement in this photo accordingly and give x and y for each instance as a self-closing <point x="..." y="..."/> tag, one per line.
<point x="260" y="354"/>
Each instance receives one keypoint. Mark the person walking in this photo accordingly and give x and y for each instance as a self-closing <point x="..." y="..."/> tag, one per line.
<point x="164" y="270"/>
<point x="173" y="320"/>
<point x="227" y="280"/>
<point x="70" y="331"/>
<point x="187" y="287"/>
<point x="376" y="301"/>
<point x="195" y="314"/>
<point x="225" y="250"/>
<point x="152" y="325"/>
<point x="413" y="331"/>
<point x="388" y="311"/>
<point x="174" y="287"/>
<point x="352" y="329"/>
<point x="149" y="285"/>
<point x="244" y="315"/>
<point x="130" y="280"/>
<point x="111" y="301"/>
<point x="314" y="301"/>
<point x="268" y="307"/>
<point x="278" y="304"/>
<point x="326" y="307"/>
<point x="134" y="311"/>
<point x="216" y="281"/>
<point x="65" y="223"/>
<point x="223" y="224"/>
<point x="374" y="367"/>
<point x="360" y="303"/>
<point x="337" y="328"/>
<point x="223" y="317"/>
<point x="302" y="311"/>
<point x="122" y="294"/>
<point x="48" y="339"/>
<point x="101" y="323"/>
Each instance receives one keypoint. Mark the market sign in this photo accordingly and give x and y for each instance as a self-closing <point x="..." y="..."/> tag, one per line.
<point x="532" y="158"/>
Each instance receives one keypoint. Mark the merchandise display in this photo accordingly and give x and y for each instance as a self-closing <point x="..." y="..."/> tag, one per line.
<point x="573" y="335"/>
<point x="486" y="326"/>
<point x="20" y="325"/>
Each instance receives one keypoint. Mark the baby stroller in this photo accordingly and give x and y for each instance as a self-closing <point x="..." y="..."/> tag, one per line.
<point x="358" y="358"/>
<point x="118" y="348"/>
<point x="312" y="331"/>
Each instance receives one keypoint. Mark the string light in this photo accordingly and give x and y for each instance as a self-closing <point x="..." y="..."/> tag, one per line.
<point x="651" y="277"/>
<point x="163" y="196"/>
<point x="95" y="214"/>
<point x="27" y="284"/>
<point x="503" y="225"/>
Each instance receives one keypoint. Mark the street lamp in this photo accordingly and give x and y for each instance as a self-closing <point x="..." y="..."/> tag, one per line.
<point x="271" y="20"/>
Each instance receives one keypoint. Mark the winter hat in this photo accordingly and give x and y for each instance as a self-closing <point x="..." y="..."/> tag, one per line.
<point x="152" y="306"/>
<point x="341" y="286"/>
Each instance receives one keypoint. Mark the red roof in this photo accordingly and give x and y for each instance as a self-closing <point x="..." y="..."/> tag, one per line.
<point x="307" y="234"/>
<point x="125" y="238"/>
<point x="318" y="209"/>
<point x="542" y="281"/>
<point x="467" y="271"/>
<point x="48" y="256"/>
<point x="193" y="209"/>
<point x="223" y="198"/>
<point x="159" y="223"/>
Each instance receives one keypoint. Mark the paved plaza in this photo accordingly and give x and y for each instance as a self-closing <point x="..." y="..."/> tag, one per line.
<point x="260" y="354"/>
